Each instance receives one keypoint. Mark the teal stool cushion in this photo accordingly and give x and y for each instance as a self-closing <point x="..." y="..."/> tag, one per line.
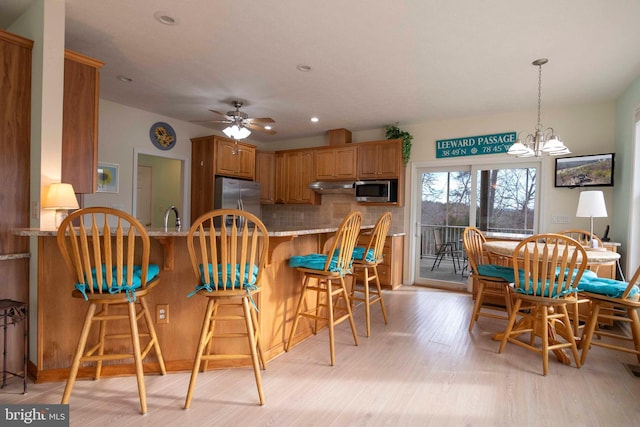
<point x="152" y="271"/>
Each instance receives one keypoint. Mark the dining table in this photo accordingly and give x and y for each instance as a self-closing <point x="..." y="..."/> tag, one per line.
<point x="504" y="251"/>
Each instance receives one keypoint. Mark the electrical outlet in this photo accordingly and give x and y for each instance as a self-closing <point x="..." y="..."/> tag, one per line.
<point x="162" y="313"/>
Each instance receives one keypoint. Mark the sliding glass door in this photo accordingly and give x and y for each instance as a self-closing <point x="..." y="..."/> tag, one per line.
<point x="494" y="198"/>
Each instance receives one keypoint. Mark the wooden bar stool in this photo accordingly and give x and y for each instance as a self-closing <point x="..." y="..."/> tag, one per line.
<point x="365" y="270"/>
<point x="111" y="270"/>
<point x="228" y="250"/>
<point x="328" y="273"/>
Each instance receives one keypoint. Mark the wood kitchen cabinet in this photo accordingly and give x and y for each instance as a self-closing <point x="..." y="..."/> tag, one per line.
<point x="235" y="159"/>
<point x="80" y="121"/>
<point x="280" y="178"/>
<point x="15" y="132"/>
<point x="390" y="269"/>
<point x="380" y="159"/>
<point x="297" y="173"/>
<point x="211" y="156"/>
<point x="336" y="163"/>
<point x="266" y="176"/>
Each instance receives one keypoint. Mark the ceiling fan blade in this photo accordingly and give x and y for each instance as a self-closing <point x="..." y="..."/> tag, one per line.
<point x="259" y="128"/>
<point x="220" y="114"/>
<point x="261" y="120"/>
<point x="210" y="121"/>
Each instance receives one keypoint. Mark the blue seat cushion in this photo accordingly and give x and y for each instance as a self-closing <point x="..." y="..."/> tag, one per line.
<point x="314" y="262"/>
<point x="590" y="282"/>
<point x="358" y="253"/>
<point x="497" y="271"/>
<point x="152" y="271"/>
<point x="233" y="278"/>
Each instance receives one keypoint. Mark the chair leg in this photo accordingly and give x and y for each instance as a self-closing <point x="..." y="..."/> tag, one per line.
<point x="135" y="341"/>
<point x="587" y="333"/>
<point x="635" y="329"/>
<point x="101" y="337"/>
<point x="256" y="323"/>
<point x="82" y="341"/>
<point x="332" y="349"/>
<point x="351" y="321"/>
<point x="154" y="336"/>
<point x="296" y="318"/>
<point x="544" y="322"/>
<point x="512" y="321"/>
<point x="477" y="305"/>
<point x="205" y="336"/>
<point x="248" y="318"/>
<point x="367" y="303"/>
<point x="571" y="335"/>
<point x="379" y="289"/>
<point x="212" y="327"/>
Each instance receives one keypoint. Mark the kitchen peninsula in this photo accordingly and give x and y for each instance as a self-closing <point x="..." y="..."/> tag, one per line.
<point x="59" y="316"/>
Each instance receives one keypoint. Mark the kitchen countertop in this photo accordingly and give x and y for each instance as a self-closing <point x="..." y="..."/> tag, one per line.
<point x="275" y="231"/>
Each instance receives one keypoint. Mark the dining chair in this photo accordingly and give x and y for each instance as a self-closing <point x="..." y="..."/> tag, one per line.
<point x="228" y="250"/>
<point x="547" y="269"/>
<point x="365" y="270"/>
<point x="582" y="307"/>
<point x="327" y="271"/>
<point x="617" y="303"/>
<point x="487" y="285"/>
<point x="107" y="253"/>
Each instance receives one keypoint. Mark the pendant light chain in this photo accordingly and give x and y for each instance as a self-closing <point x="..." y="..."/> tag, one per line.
<point x="539" y="127"/>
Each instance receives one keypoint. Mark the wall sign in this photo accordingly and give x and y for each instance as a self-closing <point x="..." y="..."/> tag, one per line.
<point x="475" y="145"/>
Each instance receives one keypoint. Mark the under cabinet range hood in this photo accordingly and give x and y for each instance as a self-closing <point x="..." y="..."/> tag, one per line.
<point x="332" y="187"/>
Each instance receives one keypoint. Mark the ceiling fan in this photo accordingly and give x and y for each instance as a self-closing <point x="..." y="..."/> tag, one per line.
<point x="241" y="120"/>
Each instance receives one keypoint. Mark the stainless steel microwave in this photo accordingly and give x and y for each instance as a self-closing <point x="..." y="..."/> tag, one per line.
<point x="382" y="191"/>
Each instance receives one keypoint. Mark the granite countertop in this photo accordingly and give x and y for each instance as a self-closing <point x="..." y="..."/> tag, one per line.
<point x="274" y="231"/>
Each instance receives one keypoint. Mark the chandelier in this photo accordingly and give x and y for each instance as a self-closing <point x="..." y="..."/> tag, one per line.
<point x="541" y="141"/>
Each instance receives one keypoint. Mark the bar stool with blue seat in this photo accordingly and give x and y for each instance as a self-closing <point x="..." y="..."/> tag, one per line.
<point x="328" y="271"/>
<point x="108" y="255"/>
<point x="228" y="250"/>
<point x="365" y="270"/>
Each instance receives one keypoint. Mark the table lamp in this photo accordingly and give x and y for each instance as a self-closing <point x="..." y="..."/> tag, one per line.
<point x="60" y="197"/>
<point x="591" y="204"/>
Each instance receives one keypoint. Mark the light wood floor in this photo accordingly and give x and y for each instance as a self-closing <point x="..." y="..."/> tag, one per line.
<point x="423" y="369"/>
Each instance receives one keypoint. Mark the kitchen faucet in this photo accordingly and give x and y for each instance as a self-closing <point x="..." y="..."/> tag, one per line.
<point x="166" y="218"/>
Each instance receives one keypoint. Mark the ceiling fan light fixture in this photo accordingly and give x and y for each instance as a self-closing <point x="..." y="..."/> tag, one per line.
<point x="236" y="132"/>
<point x="315" y="119"/>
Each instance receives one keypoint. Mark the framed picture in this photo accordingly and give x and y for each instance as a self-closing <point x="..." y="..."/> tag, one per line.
<point x="108" y="178"/>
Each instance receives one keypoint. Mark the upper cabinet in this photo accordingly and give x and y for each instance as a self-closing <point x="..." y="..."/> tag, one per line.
<point x="336" y="163"/>
<point x="266" y="176"/>
<point x="380" y="159"/>
<point x="297" y="174"/>
<point x="235" y="159"/>
<point x="215" y="155"/>
<point x="80" y="121"/>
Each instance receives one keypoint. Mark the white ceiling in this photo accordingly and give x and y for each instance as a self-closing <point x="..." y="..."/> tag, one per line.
<point x="374" y="62"/>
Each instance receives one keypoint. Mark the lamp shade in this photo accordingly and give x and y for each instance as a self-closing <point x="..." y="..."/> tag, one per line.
<point x="591" y="204"/>
<point x="60" y="196"/>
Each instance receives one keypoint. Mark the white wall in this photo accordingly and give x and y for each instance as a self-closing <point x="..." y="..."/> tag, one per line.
<point x="123" y="132"/>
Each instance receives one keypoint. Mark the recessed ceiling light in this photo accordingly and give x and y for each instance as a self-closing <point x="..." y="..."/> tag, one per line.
<point x="303" y="68"/>
<point x="124" y="79"/>
<point x="164" y="18"/>
<point x="315" y="119"/>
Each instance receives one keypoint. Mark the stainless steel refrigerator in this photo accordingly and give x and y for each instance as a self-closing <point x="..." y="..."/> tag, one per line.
<point x="230" y="193"/>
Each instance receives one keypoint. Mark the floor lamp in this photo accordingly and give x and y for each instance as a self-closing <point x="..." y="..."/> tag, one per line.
<point x="591" y="204"/>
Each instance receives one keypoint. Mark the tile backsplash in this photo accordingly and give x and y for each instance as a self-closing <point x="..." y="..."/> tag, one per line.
<point x="331" y="212"/>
